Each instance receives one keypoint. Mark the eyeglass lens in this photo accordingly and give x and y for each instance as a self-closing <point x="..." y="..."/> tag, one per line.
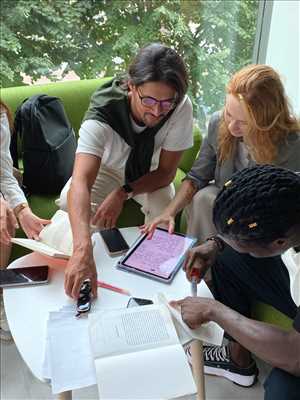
<point x="150" y="102"/>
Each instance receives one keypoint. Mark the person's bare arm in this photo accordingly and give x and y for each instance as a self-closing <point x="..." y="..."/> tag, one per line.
<point x="183" y="198"/>
<point x="274" y="345"/>
<point x="277" y="347"/>
<point x="108" y="212"/>
<point x="81" y="265"/>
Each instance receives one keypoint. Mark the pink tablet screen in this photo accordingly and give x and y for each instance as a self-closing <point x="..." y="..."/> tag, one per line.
<point x="161" y="254"/>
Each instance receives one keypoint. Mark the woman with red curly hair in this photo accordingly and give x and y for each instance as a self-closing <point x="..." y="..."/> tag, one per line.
<point x="255" y="127"/>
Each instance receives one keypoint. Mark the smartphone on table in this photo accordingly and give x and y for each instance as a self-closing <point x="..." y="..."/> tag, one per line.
<point x="114" y="241"/>
<point x="27" y="276"/>
<point x="136" y="301"/>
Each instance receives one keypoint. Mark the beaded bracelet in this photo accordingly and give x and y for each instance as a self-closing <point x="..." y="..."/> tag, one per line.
<point x="219" y="242"/>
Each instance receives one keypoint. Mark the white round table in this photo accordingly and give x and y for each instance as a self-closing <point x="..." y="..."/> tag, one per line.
<point x="27" y="308"/>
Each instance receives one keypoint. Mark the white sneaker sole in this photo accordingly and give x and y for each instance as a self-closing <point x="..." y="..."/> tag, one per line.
<point x="233" y="377"/>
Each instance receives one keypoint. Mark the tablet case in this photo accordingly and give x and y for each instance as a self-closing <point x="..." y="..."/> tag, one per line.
<point x="155" y="274"/>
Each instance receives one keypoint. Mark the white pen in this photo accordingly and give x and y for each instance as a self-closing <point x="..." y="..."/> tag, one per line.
<point x="194" y="286"/>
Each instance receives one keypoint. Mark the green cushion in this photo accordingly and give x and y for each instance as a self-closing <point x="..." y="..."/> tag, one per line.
<point x="178" y="178"/>
<point x="75" y="96"/>
<point x="190" y="155"/>
<point x="43" y="206"/>
<point x="131" y="215"/>
<point x="267" y="313"/>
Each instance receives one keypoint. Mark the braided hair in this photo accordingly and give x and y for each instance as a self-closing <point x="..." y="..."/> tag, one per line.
<point x="259" y="204"/>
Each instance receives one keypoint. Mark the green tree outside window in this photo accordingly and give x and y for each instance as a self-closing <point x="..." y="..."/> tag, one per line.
<point x="99" y="37"/>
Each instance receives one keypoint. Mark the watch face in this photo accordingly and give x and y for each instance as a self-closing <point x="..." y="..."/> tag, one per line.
<point x="127" y="188"/>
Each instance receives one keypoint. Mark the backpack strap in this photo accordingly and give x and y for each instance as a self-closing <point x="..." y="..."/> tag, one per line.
<point x="17" y="130"/>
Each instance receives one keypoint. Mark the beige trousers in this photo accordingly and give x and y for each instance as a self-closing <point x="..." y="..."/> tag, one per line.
<point x="107" y="180"/>
<point x="199" y="213"/>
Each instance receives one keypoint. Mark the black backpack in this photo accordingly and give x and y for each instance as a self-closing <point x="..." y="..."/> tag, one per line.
<point x="48" y="144"/>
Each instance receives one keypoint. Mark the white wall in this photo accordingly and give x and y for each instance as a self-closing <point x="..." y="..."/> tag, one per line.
<point x="283" y="50"/>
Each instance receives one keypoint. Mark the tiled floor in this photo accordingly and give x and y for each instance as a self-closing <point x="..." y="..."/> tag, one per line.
<point x="17" y="382"/>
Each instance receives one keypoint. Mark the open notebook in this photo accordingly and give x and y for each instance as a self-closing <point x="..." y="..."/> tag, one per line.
<point x="55" y="238"/>
<point x="138" y="351"/>
<point x="138" y="355"/>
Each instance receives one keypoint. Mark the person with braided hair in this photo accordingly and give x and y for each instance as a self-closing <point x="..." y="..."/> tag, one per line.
<point x="255" y="127"/>
<point x="254" y="258"/>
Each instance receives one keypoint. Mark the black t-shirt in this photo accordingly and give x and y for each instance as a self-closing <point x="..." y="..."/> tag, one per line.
<point x="296" y="323"/>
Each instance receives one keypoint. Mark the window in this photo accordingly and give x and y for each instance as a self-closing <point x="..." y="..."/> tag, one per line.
<point x="82" y="39"/>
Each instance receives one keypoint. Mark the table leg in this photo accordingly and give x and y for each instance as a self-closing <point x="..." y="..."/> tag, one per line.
<point x="65" y="395"/>
<point x="198" y="368"/>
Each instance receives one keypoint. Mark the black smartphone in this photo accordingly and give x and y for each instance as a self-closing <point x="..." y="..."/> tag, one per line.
<point x="136" y="301"/>
<point x="36" y="275"/>
<point x="114" y="241"/>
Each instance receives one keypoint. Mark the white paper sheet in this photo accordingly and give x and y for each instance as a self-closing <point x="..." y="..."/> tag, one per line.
<point x="210" y="332"/>
<point x="71" y="362"/>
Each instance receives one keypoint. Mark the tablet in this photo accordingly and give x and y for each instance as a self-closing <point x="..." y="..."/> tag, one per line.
<point x="158" y="258"/>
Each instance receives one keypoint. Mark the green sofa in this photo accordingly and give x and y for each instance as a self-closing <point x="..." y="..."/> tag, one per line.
<point x="76" y="96"/>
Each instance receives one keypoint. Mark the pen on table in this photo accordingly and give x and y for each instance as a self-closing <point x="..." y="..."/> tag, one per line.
<point x="113" y="288"/>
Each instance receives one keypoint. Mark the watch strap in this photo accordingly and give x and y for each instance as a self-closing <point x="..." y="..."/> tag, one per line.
<point x="128" y="190"/>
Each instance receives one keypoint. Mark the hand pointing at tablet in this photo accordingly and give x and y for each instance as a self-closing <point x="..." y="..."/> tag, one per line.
<point x="165" y="220"/>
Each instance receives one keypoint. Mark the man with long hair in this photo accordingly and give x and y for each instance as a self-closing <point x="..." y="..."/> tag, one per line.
<point x="130" y="144"/>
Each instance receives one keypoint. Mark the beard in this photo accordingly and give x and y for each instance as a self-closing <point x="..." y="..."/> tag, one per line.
<point x="151" y="120"/>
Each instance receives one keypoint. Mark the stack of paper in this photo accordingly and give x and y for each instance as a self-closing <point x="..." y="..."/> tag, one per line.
<point x="140" y="348"/>
<point x="68" y="359"/>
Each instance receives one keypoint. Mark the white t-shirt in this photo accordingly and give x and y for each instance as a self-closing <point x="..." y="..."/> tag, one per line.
<point x="291" y="260"/>
<point x="101" y="140"/>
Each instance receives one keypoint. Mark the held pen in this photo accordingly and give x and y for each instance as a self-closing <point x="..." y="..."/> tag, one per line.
<point x="194" y="286"/>
<point x="197" y="347"/>
<point x="195" y="275"/>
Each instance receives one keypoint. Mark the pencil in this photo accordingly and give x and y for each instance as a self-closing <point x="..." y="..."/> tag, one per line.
<point x="113" y="288"/>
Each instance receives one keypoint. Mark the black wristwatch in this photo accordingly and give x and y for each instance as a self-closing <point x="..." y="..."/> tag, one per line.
<point x="128" y="190"/>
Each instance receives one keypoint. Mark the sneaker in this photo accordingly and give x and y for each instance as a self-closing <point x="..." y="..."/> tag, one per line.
<point x="5" y="335"/>
<point x="217" y="362"/>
